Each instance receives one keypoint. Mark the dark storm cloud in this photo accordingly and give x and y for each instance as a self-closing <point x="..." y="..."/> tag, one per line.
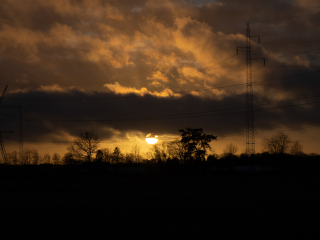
<point x="53" y="115"/>
<point x="74" y="51"/>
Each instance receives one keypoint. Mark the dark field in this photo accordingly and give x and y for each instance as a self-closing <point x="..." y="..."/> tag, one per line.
<point x="162" y="207"/>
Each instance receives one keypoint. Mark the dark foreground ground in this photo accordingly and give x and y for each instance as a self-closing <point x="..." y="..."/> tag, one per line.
<point x="274" y="206"/>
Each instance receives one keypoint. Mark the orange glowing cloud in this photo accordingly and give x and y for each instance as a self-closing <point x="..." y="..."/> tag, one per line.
<point x="118" y="89"/>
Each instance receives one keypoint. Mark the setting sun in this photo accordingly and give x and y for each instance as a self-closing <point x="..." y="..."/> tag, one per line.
<point x="152" y="138"/>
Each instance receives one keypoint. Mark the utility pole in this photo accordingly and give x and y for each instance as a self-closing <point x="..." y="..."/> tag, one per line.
<point x="250" y="141"/>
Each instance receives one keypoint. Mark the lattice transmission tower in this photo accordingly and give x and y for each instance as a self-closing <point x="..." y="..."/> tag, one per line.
<point x="250" y="141"/>
<point x="2" y="148"/>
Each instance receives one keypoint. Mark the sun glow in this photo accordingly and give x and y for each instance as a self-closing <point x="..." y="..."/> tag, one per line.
<point x="152" y="138"/>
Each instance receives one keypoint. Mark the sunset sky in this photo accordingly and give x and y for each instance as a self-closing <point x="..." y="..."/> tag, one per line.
<point x="125" y="68"/>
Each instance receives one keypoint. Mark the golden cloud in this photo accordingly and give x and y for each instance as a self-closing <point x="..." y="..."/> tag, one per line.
<point x="189" y="72"/>
<point x="118" y="89"/>
<point x="158" y="76"/>
<point x="52" y="88"/>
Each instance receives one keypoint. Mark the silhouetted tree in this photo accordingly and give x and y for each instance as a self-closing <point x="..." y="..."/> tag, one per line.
<point x="6" y="160"/>
<point x="99" y="156"/>
<point x="13" y="158"/>
<point x="136" y="153"/>
<point x="26" y="157"/>
<point x="117" y="156"/>
<point x="128" y="158"/>
<point x="230" y="150"/>
<point x="84" y="146"/>
<point x="195" y="143"/>
<point x="159" y="152"/>
<point x="55" y="158"/>
<point x="213" y="157"/>
<point x="166" y="150"/>
<point x="35" y="157"/>
<point x="296" y="148"/>
<point x="175" y="150"/>
<point x="46" y="158"/>
<point x="278" y="144"/>
<point x="30" y="156"/>
<point x="68" y="159"/>
<point x="103" y="155"/>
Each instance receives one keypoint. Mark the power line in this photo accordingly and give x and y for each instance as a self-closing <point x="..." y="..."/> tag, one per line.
<point x="176" y="116"/>
<point x="234" y="108"/>
<point x="230" y="86"/>
<point x="285" y="53"/>
<point x="220" y="62"/>
<point x="289" y="127"/>
<point x="305" y="41"/>
<point x="290" y="66"/>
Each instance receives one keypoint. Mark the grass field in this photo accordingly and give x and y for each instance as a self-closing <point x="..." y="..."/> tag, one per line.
<point x="161" y="207"/>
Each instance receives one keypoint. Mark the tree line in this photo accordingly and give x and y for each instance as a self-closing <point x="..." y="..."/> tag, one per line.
<point x="194" y="145"/>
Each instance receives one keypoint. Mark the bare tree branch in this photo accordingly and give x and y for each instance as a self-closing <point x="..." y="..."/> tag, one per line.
<point x="85" y="145"/>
